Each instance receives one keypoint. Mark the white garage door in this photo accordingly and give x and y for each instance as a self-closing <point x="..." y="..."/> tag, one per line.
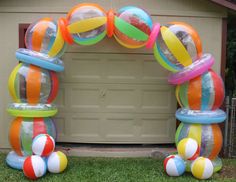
<point x="108" y="95"/>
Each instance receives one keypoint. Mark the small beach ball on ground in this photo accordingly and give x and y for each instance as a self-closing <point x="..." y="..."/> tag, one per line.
<point x="34" y="167"/>
<point x="202" y="168"/>
<point x="132" y="27"/>
<point x="43" y="145"/>
<point x="174" y="165"/>
<point x="188" y="149"/>
<point x="57" y="162"/>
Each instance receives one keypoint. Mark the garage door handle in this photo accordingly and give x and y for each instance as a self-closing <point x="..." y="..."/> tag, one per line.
<point x="103" y="93"/>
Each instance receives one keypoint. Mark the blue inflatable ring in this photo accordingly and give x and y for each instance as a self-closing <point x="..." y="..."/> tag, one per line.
<point x="15" y="161"/>
<point x="39" y="59"/>
<point x="201" y="117"/>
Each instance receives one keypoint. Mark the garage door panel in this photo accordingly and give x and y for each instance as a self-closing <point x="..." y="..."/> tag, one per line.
<point x="60" y="99"/>
<point x="116" y="98"/>
<point x="112" y="68"/>
<point x="158" y="100"/>
<point x="81" y="125"/>
<point x="152" y="72"/>
<point x="84" y="68"/>
<point x="60" y="122"/>
<point x="120" y="99"/>
<point x="117" y="128"/>
<point x="85" y="98"/>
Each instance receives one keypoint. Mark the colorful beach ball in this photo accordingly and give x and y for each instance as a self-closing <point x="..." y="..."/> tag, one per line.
<point x="205" y="92"/>
<point x="174" y="165"/>
<point x="34" y="167"/>
<point x="57" y="162"/>
<point x="202" y="168"/>
<point x="132" y="27"/>
<point x="45" y="36"/>
<point x="188" y="149"/>
<point x="178" y="45"/>
<point x="32" y="84"/>
<point x="87" y="23"/>
<point x="208" y="137"/>
<point x="24" y="130"/>
<point x="43" y="145"/>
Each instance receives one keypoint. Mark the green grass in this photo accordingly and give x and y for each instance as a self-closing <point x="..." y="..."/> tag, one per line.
<point x="109" y="169"/>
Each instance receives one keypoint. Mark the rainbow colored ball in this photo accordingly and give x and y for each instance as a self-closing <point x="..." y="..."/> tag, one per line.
<point x="208" y="137"/>
<point x="205" y="92"/>
<point x="57" y="162"/>
<point x="32" y="84"/>
<point x="132" y="27"/>
<point x="174" y="165"/>
<point x="34" y="167"/>
<point x="188" y="149"/>
<point x="87" y="23"/>
<point x="44" y="36"/>
<point x="43" y="145"/>
<point x="202" y="168"/>
<point x="178" y="45"/>
<point x="24" y="130"/>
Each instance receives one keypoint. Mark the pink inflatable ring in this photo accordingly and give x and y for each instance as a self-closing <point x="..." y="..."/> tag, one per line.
<point x="197" y="68"/>
<point x="152" y="38"/>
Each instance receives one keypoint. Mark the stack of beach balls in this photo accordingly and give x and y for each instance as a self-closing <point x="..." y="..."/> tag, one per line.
<point x="200" y="93"/>
<point x="33" y="85"/>
<point x="44" y="158"/>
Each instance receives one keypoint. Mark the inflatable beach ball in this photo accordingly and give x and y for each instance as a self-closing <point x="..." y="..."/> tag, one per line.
<point x="202" y="168"/>
<point x="43" y="145"/>
<point x="57" y="162"/>
<point x="45" y="36"/>
<point x="174" y="165"/>
<point x="32" y="84"/>
<point x="34" y="167"/>
<point x="178" y="45"/>
<point x="205" y="92"/>
<point x="24" y="130"/>
<point x="87" y="23"/>
<point x="208" y="137"/>
<point x="132" y="27"/>
<point x="188" y="149"/>
<point x="217" y="165"/>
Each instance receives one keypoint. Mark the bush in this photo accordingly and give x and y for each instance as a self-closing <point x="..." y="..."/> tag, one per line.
<point x="230" y="71"/>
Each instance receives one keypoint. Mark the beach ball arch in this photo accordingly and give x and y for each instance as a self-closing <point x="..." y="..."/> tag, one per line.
<point x="33" y="84"/>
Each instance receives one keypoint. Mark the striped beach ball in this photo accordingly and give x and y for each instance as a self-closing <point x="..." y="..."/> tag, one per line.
<point x="178" y="45"/>
<point x="57" y="162"/>
<point x="24" y="130"/>
<point x="43" y="145"/>
<point x="32" y="84"/>
<point x="174" y="165"/>
<point x="202" y="168"/>
<point x="205" y="92"/>
<point x="34" y="167"/>
<point x="45" y="36"/>
<point x="208" y="137"/>
<point x="188" y="149"/>
<point x="87" y="23"/>
<point x="132" y="27"/>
